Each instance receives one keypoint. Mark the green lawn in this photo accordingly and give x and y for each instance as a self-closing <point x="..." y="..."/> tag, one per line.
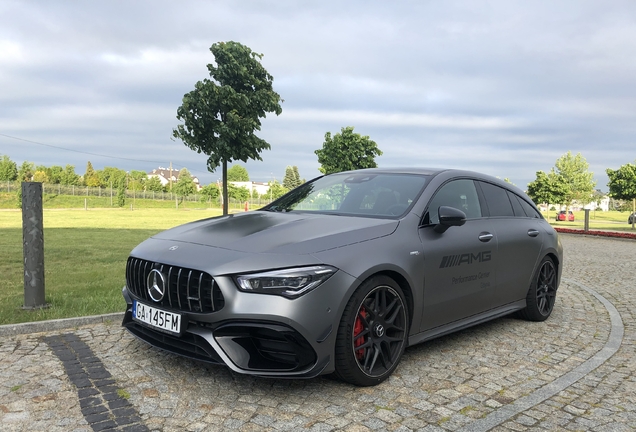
<point x="85" y="258"/>
<point x="610" y="220"/>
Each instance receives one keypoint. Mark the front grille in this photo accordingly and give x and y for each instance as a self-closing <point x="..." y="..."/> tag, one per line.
<point x="187" y="290"/>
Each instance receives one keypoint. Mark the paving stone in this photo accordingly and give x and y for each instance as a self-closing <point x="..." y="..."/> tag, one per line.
<point x="446" y="384"/>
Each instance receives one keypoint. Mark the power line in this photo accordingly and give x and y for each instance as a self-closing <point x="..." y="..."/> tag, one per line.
<point x="90" y="153"/>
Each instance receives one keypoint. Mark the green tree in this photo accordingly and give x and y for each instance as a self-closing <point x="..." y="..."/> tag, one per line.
<point x="237" y="173"/>
<point x="289" y="181"/>
<point x="121" y="192"/>
<point x="110" y="176"/>
<point x="221" y="114"/>
<point x="276" y="190"/>
<point x="347" y="151"/>
<point x="547" y="189"/>
<point x="137" y="180"/>
<point x="26" y="171"/>
<point x="185" y="185"/>
<point x="292" y="178"/>
<point x="91" y="179"/>
<point x="238" y="193"/>
<point x="8" y="169"/>
<point x="297" y="178"/>
<point x="153" y="184"/>
<point x="40" y="176"/>
<point x="69" y="177"/>
<point x="211" y="191"/>
<point x="622" y="184"/>
<point x="577" y="180"/>
<point x="55" y="174"/>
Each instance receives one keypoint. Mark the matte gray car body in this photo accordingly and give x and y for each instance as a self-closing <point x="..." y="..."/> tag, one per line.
<point x="447" y="273"/>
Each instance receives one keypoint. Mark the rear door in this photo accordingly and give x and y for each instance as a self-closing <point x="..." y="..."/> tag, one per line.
<point x="519" y="241"/>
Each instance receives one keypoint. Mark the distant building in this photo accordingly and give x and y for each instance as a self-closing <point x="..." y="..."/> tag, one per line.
<point x="165" y="175"/>
<point x="260" y="188"/>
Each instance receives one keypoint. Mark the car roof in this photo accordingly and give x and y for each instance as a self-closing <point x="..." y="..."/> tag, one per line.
<point x="432" y="172"/>
<point x="400" y="170"/>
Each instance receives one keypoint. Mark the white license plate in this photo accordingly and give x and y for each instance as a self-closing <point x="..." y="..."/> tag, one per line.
<point x="157" y="318"/>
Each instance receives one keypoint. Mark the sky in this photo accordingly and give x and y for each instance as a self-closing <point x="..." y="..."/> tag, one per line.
<point x="500" y="87"/>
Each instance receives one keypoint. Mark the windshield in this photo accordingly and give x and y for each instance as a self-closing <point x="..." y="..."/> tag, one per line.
<point x="356" y="194"/>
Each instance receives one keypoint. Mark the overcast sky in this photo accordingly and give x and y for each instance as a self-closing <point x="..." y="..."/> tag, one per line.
<point x="502" y="87"/>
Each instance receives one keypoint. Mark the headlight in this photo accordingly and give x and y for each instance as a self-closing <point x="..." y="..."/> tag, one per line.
<point x="287" y="282"/>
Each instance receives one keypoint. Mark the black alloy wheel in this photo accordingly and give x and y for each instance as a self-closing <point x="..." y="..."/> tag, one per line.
<point x="542" y="293"/>
<point x="373" y="332"/>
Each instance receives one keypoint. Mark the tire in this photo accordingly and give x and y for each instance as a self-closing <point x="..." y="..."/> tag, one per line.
<point x="542" y="292"/>
<point x="372" y="334"/>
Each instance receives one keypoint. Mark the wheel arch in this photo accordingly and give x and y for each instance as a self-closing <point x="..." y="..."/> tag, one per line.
<point x="404" y="285"/>
<point x="557" y="263"/>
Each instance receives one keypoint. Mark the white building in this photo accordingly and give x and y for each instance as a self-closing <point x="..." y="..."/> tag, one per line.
<point x="260" y="188"/>
<point x="165" y="175"/>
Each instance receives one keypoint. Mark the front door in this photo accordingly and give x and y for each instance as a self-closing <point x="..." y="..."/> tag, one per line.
<point x="459" y="264"/>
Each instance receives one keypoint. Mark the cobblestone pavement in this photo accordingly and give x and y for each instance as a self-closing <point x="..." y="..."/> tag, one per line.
<point x="575" y="372"/>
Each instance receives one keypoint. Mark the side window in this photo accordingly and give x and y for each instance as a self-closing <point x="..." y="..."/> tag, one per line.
<point x="460" y="194"/>
<point x="530" y="211"/>
<point x="516" y="205"/>
<point x="497" y="200"/>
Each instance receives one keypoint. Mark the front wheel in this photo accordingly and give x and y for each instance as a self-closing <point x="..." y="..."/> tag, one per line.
<point x="542" y="292"/>
<point x="372" y="333"/>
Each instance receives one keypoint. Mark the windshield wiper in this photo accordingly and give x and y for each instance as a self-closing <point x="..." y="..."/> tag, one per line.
<point x="279" y="209"/>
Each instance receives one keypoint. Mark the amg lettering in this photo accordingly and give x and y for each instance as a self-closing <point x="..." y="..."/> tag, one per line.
<point x="465" y="258"/>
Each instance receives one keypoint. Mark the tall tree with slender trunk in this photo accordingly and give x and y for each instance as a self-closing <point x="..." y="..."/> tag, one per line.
<point x="221" y="115"/>
<point x="578" y="181"/>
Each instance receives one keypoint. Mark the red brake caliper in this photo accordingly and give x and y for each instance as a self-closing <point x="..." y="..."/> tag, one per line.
<point x="358" y="327"/>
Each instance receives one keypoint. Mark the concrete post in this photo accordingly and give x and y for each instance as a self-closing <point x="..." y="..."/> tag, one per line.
<point x="33" y="245"/>
<point x="586" y="225"/>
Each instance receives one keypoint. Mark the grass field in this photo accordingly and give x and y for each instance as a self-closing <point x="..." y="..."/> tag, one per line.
<point x="86" y="251"/>
<point x="85" y="258"/>
<point x="610" y="220"/>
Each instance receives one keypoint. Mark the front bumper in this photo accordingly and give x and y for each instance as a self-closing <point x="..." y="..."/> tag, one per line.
<point x="257" y="334"/>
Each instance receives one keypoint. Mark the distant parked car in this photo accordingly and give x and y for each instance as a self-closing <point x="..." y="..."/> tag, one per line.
<point x="561" y="216"/>
<point x="632" y="218"/>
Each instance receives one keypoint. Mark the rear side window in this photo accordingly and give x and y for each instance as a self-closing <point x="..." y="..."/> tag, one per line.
<point x="516" y="205"/>
<point x="530" y="211"/>
<point x="497" y="200"/>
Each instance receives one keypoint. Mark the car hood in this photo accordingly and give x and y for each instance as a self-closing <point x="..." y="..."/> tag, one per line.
<point x="280" y="233"/>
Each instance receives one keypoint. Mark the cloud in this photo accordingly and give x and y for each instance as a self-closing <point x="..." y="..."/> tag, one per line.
<point x="504" y="87"/>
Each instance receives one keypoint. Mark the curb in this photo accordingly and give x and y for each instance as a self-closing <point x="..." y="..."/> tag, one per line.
<point x="57" y="324"/>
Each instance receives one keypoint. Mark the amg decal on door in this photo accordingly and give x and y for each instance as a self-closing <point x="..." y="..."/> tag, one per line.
<point x="467" y="258"/>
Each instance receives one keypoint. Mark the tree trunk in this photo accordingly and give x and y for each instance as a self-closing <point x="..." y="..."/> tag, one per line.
<point x="225" y="200"/>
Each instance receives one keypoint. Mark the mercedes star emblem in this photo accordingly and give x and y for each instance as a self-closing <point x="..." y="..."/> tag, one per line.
<point x="156" y="284"/>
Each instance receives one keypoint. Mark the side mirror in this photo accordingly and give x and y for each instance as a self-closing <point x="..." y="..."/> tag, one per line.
<point x="448" y="217"/>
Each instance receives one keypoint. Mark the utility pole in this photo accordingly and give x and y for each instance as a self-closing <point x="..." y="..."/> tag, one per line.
<point x="170" y="176"/>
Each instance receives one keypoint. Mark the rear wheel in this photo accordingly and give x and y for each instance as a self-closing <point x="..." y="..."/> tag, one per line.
<point x="542" y="293"/>
<point x="372" y="333"/>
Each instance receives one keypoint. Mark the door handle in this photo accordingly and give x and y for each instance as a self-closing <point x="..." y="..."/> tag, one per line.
<point x="533" y="232"/>
<point x="485" y="236"/>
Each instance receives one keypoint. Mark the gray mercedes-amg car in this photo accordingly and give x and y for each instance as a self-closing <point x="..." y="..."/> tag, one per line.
<point x="344" y="272"/>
